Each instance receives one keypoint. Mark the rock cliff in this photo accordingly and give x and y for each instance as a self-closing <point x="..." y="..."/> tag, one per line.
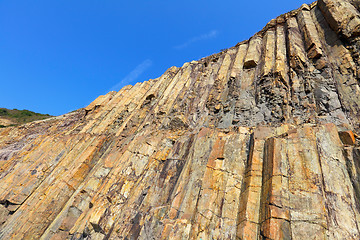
<point x="256" y="142"/>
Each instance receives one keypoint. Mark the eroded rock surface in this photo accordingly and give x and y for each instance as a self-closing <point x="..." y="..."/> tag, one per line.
<point x="259" y="141"/>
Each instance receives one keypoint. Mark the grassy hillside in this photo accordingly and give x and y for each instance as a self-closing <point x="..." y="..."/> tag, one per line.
<point x="13" y="117"/>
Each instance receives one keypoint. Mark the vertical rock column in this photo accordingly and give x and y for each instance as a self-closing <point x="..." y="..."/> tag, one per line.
<point x="275" y="212"/>
<point x="302" y="98"/>
<point x="306" y="191"/>
<point x="342" y="215"/>
<point x="248" y="226"/>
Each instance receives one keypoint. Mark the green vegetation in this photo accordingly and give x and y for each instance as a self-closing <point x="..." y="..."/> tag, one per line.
<point x="20" y="116"/>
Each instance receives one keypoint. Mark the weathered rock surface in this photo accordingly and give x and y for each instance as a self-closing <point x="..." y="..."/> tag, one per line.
<point x="6" y="122"/>
<point x="256" y="142"/>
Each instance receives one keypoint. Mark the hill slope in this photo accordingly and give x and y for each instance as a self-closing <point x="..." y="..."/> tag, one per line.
<point x="12" y="117"/>
<point x="256" y="142"/>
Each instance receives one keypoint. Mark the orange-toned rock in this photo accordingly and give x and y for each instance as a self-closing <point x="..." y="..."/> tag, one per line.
<point x="347" y="137"/>
<point x="255" y="142"/>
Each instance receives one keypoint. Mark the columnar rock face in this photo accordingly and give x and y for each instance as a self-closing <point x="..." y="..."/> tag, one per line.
<point x="256" y="142"/>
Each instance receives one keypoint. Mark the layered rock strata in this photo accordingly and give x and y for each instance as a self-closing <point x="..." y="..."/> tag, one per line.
<point x="256" y="142"/>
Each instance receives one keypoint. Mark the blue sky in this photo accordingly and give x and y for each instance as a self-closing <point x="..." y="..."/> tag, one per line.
<point x="58" y="56"/>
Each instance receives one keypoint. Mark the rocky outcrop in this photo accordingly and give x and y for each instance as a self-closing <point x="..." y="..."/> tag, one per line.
<point x="6" y="122"/>
<point x="256" y="142"/>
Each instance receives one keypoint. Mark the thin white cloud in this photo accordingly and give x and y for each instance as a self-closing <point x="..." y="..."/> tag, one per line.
<point x="133" y="75"/>
<point x="206" y="36"/>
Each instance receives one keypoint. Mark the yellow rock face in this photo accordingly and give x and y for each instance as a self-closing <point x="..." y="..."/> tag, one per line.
<point x="6" y="122"/>
<point x="257" y="142"/>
